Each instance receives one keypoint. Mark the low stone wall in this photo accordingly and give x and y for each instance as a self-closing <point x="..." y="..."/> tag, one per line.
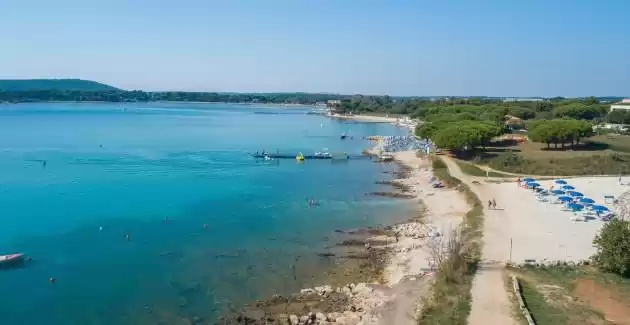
<point x="521" y="301"/>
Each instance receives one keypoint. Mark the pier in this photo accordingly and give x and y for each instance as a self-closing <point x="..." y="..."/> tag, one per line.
<point x="309" y="157"/>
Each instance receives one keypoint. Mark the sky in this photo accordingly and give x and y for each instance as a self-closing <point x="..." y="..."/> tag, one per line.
<point x="396" y="47"/>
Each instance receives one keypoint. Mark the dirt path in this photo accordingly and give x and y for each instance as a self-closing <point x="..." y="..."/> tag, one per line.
<point x="490" y="301"/>
<point x="401" y="310"/>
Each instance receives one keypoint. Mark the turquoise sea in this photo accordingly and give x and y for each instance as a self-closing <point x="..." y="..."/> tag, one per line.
<point x="74" y="178"/>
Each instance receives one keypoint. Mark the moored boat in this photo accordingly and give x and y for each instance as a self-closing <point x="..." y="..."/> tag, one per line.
<point x="11" y="260"/>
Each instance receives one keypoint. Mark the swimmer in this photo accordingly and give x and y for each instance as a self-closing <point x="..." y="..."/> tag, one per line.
<point x="166" y="220"/>
<point x="52" y="280"/>
<point x="100" y="228"/>
<point x="205" y="226"/>
<point x="127" y="236"/>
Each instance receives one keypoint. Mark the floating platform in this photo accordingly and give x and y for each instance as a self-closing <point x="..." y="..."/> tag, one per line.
<point x="308" y="157"/>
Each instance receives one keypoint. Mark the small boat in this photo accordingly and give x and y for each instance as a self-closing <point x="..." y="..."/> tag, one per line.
<point x="343" y="136"/>
<point x="11" y="260"/>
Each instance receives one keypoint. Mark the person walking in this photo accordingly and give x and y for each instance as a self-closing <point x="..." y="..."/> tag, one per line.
<point x="494" y="203"/>
<point x="489" y="204"/>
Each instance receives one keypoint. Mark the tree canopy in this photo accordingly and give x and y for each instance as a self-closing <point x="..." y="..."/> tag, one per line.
<point x="559" y="131"/>
<point x="613" y="247"/>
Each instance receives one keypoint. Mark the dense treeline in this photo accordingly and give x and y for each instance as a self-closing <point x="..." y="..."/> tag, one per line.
<point x="559" y="131"/>
<point x="141" y="96"/>
<point x="53" y="84"/>
<point x="559" y="121"/>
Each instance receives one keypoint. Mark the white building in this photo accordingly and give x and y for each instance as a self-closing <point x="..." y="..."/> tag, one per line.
<point x="623" y="104"/>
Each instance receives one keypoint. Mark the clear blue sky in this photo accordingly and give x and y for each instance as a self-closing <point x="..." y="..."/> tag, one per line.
<point x="396" y="47"/>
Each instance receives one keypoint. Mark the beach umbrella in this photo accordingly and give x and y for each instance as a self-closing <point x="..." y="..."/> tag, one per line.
<point x="575" y="206"/>
<point x="587" y="200"/>
<point x="560" y="181"/>
<point x="528" y="179"/>
<point x="533" y="184"/>
<point x="599" y="208"/>
<point x="564" y="198"/>
<point x="568" y="187"/>
<point x="574" y="193"/>
<point x="557" y="192"/>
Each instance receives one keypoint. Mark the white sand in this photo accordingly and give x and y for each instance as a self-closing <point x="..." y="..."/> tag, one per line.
<point x="366" y="118"/>
<point x="538" y="231"/>
<point x="409" y="271"/>
<point x="408" y="275"/>
<point x="541" y="231"/>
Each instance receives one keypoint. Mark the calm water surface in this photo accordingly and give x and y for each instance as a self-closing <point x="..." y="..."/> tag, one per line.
<point x="126" y="170"/>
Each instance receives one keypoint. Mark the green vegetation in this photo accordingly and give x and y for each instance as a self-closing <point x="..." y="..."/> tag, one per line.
<point x="479" y="131"/>
<point x="559" y="131"/>
<point x="141" y="96"/>
<point x="558" y="163"/>
<point x="473" y="170"/>
<point x="563" y="294"/>
<point x="613" y="247"/>
<point x="18" y="85"/>
<point x="543" y="312"/>
<point x="451" y="298"/>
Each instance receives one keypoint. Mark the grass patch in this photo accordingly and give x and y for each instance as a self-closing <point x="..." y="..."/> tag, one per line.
<point x="473" y="170"/>
<point x="542" y="312"/>
<point x="599" y="155"/>
<point x="620" y="143"/>
<point x="451" y="299"/>
<point x="553" y="295"/>
<point x="565" y="164"/>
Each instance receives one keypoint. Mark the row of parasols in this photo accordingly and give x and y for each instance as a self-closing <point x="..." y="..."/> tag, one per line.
<point x="567" y="194"/>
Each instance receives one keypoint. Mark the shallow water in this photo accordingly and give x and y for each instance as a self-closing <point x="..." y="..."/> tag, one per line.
<point x="125" y="170"/>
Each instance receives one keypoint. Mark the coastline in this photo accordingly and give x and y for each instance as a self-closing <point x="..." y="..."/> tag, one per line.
<point x="365" y="118"/>
<point x="397" y="268"/>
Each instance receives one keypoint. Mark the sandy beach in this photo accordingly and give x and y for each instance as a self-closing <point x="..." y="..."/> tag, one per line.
<point x="522" y="228"/>
<point x="365" y="118"/>
<point x="409" y="272"/>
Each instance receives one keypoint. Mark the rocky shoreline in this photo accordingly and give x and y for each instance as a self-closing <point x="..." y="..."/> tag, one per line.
<point x="382" y="273"/>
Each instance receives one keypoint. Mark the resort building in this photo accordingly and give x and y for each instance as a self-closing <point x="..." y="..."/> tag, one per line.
<point x="623" y="104"/>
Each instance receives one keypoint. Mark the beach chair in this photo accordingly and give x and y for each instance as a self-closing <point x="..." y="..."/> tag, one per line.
<point x="541" y="198"/>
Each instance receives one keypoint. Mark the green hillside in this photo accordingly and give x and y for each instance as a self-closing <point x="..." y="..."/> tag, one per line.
<point x="53" y="84"/>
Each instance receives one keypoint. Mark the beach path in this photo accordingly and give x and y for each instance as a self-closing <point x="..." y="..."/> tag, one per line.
<point x="490" y="301"/>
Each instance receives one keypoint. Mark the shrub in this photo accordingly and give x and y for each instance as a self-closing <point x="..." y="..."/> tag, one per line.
<point x="613" y="247"/>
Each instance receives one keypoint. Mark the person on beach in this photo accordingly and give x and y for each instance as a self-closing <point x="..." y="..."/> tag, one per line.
<point x="494" y="203"/>
<point x="518" y="182"/>
<point x="489" y="204"/>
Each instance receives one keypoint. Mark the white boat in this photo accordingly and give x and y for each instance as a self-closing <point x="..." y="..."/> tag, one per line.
<point x="11" y="259"/>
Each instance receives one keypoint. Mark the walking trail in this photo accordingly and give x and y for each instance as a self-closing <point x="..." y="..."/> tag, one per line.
<point x="490" y="301"/>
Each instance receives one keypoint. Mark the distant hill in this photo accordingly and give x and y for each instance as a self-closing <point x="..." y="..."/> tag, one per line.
<point x="53" y="84"/>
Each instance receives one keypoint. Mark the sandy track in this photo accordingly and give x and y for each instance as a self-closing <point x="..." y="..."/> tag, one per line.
<point x="490" y="300"/>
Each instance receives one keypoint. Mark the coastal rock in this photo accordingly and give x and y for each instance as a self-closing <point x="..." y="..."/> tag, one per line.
<point x="305" y="320"/>
<point x="320" y="317"/>
<point x="324" y="290"/>
<point x="307" y="291"/>
<point x="294" y="320"/>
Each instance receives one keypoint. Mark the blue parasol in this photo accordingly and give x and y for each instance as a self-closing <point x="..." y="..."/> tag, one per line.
<point x="568" y="187"/>
<point x="533" y="184"/>
<point x="557" y="192"/>
<point x="574" y="193"/>
<point x="599" y="208"/>
<point x="528" y="179"/>
<point x="560" y="181"/>
<point x="587" y="200"/>
<point x="564" y="198"/>
<point x="575" y="206"/>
